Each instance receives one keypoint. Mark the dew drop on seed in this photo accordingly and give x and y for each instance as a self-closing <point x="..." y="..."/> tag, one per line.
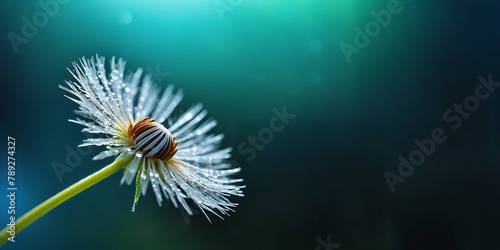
<point x="115" y="74"/>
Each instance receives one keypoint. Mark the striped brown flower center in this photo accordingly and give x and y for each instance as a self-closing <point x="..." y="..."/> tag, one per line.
<point x="153" y="139"/>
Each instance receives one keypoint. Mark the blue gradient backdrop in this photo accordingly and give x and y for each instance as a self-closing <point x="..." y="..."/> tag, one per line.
<point x="323" y="174"/>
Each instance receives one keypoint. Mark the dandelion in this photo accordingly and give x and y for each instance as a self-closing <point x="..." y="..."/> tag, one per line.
<point x="134" y="120"/>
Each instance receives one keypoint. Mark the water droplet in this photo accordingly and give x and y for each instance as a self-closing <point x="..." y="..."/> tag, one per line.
<point x="115" y="74"/>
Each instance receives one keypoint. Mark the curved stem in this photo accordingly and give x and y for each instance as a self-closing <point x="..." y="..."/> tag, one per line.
<point x="56" y="200"/>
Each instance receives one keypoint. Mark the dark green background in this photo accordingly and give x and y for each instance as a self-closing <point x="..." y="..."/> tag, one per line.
<point x="323" y="174"/>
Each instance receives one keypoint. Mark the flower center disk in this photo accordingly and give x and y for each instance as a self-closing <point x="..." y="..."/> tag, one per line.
<point x="153" y="139"/>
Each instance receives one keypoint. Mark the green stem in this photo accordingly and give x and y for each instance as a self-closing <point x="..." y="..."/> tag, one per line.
<point x="56" y="200"/>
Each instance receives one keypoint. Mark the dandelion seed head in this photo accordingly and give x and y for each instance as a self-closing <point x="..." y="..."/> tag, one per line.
<point x="182" y="161"/>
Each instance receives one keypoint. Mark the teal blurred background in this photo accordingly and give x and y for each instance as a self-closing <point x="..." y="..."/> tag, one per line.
<point x="323" y="175"/>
